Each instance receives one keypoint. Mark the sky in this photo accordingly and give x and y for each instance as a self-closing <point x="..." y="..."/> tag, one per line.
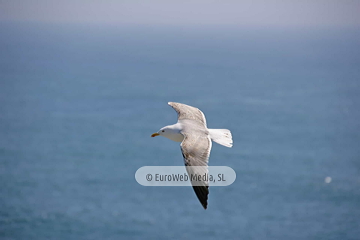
<point x="301" y="13"/>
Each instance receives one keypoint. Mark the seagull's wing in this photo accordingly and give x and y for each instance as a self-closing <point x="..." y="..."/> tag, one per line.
<point x="188" y="112"/>
<point x="196" y="149"/>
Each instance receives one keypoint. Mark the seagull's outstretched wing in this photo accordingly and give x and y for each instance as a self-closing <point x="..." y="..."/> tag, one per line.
<point x="196" y="149"/>
<point x="188" y="112"/>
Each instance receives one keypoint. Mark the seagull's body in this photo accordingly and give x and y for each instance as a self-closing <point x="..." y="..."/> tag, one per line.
<point x="195" y="138"/>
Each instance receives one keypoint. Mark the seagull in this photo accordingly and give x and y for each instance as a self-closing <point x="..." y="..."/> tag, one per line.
<point x="196" y="141"/>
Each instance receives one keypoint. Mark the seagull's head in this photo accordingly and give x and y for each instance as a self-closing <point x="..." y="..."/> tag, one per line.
<point x="162" y="132"/>
<point x="171" y="132"/>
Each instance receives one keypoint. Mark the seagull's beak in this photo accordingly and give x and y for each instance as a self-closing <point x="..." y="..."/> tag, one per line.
<point x="155" y="134"/>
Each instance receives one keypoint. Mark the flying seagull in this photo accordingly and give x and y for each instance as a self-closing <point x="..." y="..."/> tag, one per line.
<point x="195" y="138"/>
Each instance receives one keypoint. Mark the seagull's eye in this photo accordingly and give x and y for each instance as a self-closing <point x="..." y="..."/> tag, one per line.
<point x="163" y="130"/>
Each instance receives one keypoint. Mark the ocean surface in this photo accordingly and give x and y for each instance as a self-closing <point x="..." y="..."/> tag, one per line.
<point x="78" y="104"/>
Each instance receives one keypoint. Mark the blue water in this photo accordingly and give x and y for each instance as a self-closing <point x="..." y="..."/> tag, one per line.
<point x="78" y="104"/>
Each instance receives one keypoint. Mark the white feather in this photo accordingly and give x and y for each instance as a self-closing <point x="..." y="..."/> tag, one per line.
<point x="221" y="136"/>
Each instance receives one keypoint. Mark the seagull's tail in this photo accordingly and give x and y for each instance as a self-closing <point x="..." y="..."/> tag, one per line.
<point x="221" y="136"/>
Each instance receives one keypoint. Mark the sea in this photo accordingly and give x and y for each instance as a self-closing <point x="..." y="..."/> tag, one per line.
<point x="78" y="103"/>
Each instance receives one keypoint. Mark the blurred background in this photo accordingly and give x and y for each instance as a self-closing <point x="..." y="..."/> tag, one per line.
<point x="83" y="85"/>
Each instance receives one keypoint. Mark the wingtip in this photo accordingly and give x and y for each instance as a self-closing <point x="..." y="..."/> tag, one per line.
<point x="202" y="193"/>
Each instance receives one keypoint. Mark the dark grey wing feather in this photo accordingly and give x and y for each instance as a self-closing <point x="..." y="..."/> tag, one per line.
<point x="202" y="193"/>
